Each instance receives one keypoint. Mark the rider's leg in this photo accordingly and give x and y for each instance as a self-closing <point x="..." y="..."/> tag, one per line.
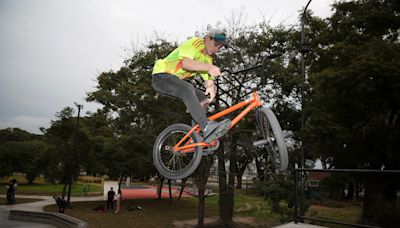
<point x="213" y="129"/>
<point x="172" y="85"/>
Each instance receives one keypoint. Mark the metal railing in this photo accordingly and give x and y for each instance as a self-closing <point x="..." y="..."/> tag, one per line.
<point x="300" y="189"/>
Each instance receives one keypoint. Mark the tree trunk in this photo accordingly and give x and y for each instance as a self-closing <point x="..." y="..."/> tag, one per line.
<point x="359" y="190"/>
<point x="225" y="212"/>
<point x="371" y="213"/>
<point x="391" y="214"/>
<point x="239" y="180"/>
<point x="183" y="185"/>
<point x="380" y="199"/>
<point x="160" y="185"/>
<point x="226" y="187"/>
<point x="259" y="167"/>
<point x="350" y="191"/>
<point x="201" y="177"/>
<point x="202" y="200"/>
<point x="64" y="190"/>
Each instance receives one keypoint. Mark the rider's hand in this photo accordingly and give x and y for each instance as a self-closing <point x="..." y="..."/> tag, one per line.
<point x="211" y="90"/>
<point x="214" y="71"/>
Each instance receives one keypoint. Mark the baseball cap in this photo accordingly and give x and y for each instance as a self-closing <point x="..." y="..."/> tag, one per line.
<point x="219" y="36"/>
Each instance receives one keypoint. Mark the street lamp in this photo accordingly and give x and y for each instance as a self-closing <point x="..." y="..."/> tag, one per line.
<point x="303" y="49"/>
<point x="75" y="153"/>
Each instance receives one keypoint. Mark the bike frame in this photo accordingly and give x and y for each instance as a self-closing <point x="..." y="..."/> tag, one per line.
<point x="251" y="104"/>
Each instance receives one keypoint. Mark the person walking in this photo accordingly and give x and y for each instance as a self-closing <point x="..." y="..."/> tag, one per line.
<point x="11" y="190"/>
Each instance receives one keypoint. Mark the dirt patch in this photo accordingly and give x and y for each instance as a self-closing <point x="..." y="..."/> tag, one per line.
<point x="212" y="222"/>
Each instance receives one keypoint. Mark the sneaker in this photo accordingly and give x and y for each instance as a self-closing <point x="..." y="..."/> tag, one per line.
<point x="216" y="130"/>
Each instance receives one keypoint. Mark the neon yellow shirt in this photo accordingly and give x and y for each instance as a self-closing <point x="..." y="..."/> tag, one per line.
<point x="194" y="49"/>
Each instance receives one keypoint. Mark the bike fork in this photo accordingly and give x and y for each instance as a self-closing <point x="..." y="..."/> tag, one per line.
<point x="260" y="125"/>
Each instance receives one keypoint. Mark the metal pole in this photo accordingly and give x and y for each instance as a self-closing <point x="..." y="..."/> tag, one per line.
<point x="303" y="50"/>
<point x="296" y="199"/>
<point x="75" y="153"/>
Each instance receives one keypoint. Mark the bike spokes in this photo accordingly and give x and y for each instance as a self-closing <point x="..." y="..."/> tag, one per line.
<point x="176" y="154"/>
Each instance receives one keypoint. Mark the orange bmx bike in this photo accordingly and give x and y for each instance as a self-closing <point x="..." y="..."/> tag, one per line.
<point x="178" y="149"/>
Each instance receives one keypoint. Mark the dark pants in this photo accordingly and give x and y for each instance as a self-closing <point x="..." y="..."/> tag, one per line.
<point x="10" y="198"/>
<point x="110" y="202"/>
<point x="185" y="91"/>
<point x="62" y="204"/>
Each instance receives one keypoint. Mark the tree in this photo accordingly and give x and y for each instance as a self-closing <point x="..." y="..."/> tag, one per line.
<point x="354" y="103"/>
<point x="16" y="134"/>
<point x="20" y="151"/>
<point x="22" y="156"/>
<point x="66" y="154"/>
<point x="252" y="44"/>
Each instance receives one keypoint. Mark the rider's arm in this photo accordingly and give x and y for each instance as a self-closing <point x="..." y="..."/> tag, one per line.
<point x="193" y="65"/>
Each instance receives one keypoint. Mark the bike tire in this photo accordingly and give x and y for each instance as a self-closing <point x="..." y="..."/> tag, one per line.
<point x="272" y="132"/>
<point x="163" y="156"/>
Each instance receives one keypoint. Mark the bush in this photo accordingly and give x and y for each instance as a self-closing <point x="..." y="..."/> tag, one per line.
<point x="279" y="191"/>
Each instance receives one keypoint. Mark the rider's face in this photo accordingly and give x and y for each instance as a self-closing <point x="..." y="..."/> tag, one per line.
<point x="212" y="46"/>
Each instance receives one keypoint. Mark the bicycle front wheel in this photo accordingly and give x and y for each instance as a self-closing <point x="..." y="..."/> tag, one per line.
<point x="174" y="164"/>
<point x="273" y="138"/>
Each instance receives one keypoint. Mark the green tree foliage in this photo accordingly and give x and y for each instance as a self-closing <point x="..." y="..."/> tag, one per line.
<point x="16" y="134"/>
<point x="60" y="138"/>
<point x="277" y="190"/>
<point x="21" y="151"/>
<point x="355" y="85"/>
<point x="71" y="146"/>
<point x="354" y="99"/>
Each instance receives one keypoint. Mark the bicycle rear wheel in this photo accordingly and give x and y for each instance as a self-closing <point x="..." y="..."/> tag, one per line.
<point x="176" y="164"/>
<point x="273" y="138"/>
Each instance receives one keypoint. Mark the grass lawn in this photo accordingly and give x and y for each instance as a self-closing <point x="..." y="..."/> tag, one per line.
<point x="55" y="189"/>
<point x="3" y="201"/>
<point x="162" y="213"/>
<point x="41" y="187"/>
<point x="348" y="212"/>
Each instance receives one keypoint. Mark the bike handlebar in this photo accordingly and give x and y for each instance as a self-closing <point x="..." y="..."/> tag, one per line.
<point x="269" y="57"/>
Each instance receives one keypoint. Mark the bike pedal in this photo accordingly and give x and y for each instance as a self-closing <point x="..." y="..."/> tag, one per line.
<point x="260" y="142"/>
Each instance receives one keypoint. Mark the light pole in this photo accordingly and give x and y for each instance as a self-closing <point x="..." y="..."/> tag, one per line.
<point x="303" y="49"/>
<point x="75" y="153"/>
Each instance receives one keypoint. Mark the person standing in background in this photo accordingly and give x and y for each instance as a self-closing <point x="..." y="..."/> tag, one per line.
<point x="118" y="199"/>
<point x="110" y="199"/>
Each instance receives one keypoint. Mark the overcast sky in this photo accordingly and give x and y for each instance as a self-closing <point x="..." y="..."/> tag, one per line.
<point x="51" y="51"/>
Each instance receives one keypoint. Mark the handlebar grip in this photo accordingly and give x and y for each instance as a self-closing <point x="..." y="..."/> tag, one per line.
<point x="226" y="70"/>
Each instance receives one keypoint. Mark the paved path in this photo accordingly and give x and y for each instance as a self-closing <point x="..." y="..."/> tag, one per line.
<point x="34" y="206"/>
<point x="298" y="225"/>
